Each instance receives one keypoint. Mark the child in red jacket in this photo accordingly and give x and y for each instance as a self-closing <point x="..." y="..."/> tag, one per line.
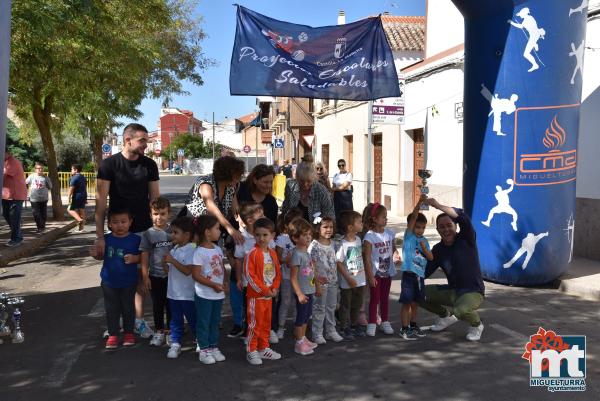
<point x="262" y="271"/>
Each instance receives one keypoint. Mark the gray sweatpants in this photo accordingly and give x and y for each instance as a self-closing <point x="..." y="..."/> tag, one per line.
<point x="285" y="291"/>
<point x="324" y="310"/>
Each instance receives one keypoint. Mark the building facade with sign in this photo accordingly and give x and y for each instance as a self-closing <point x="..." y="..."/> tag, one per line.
<point x="341" y="127"/>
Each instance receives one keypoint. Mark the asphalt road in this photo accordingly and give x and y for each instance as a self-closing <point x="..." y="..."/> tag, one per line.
<point x="63" y="356"/>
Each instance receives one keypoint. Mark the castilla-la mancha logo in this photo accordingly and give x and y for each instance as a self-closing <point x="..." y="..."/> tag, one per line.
<point x="544" y="155"/>
<point x="556" y="362"/>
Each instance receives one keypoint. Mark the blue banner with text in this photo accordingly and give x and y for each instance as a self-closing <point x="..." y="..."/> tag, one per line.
<point x="352" y="61"/>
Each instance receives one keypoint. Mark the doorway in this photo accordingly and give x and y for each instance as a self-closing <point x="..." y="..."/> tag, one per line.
<point x="418" y="162"/>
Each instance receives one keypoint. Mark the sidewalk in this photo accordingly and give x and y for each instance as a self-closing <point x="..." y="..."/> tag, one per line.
<point x="582" y="279"/>
<point x="34" y="241"/>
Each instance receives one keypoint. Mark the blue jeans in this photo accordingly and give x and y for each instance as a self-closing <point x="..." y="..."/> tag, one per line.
<point x="11" y="210"/>
<point x="236" y="299"/>
<point x="208" y="317"/>
<point x="178" y="310"/>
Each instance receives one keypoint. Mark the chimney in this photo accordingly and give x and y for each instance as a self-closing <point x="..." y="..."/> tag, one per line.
<point x="341" y="17"/>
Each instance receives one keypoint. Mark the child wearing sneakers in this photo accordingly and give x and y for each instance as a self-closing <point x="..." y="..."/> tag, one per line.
<point x="211" y="284"/>
<point x="248" y="214"/>
<point x="322" y="253"/>
<point x="180" y="288"/>
<point x="284" y="248"/>
<point x="119" y="276"/>
<point x="380" y="255"/>
<point x="352" y="271"/>
<point x="155" y="245"/>
<point x="415" y="254"/>
<point x="263" y="274"/>
<point x="303" y="282"/>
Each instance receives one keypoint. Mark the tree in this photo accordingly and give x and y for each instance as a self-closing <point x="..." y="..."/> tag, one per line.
<point x="73" y="149"/>
<point x="27" y="154"/>
<point x="97" y="60"/>
<point x="193" y="145"/>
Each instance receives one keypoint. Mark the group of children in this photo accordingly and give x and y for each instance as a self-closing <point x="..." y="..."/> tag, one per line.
<point x="298" y="263"/>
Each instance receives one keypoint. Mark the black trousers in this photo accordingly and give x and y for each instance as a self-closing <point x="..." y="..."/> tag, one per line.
<point x="159" y="302"/>
<point x="119" y="302"/>
<point x="40" y="213"/>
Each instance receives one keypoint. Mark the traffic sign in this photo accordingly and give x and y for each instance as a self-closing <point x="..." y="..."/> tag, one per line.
<point x="247" y="149"/>
<point x="106" y="148"/>
<point x="278" y="144"/>
<point x="180" y="152"/>
<point x="157" y="152"/>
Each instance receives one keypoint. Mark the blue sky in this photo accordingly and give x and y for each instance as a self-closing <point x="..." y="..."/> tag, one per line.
<point x="219" y="25"/>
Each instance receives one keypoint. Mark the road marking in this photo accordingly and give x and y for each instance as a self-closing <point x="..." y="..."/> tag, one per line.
<point x="61" y="367"/>
<point x="509" y="332"/>
<point x="98" y="309"/>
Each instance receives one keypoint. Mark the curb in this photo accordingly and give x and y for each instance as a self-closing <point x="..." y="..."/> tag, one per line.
<point x="27" y="249"/>
<point x="568" y="286"/>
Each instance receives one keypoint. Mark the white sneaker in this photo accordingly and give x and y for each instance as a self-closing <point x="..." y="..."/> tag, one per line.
<point x="217" y="354"/>
<point x="174" y="351"/>
<point x="474" y="333"/>
<point x="371" y="329"/>
<point x="206" y="357"/>
<point x="273" y="338"/>
<point x="157" y="339"/>
<point x="268" y="353"/>
<point x="280" y="333"/>
<point x="253" y="358"/>
<point x="444" y="322"/>
<point x="387" y="328"/>
<point x="334" y="336"/>
<point x="319" y="340"/>
<point x="142" y="328"/>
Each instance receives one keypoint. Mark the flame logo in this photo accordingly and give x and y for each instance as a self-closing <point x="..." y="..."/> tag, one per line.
<point x="555" y="135"/>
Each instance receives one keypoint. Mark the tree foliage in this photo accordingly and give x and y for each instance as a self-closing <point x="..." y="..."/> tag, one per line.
<point x="96" y="60"/>
<point x="193" y="146"/>
<point x="27" y="153"/>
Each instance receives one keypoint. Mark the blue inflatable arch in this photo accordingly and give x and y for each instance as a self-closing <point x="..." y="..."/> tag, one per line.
<point x="522" y="93"/>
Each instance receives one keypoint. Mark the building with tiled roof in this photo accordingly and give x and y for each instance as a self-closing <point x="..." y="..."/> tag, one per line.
<point x="405" y="33"/>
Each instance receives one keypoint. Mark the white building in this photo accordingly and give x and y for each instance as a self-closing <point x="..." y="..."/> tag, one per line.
<point x="341" y="126"/>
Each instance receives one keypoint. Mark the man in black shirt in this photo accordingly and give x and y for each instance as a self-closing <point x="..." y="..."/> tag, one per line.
<point x="131" y="180"/>
<point x="458" y="257"/>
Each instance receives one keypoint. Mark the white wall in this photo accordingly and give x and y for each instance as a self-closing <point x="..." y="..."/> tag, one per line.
<point x="445" y="27"/>
<point x="588" y="166"/>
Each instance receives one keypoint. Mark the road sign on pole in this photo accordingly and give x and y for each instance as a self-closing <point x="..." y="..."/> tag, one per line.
<point x="247" y="149"/>
<point x="180" y="152"/>
<point x="157" y="152"/>
<point x="278" y="144"/>
<point x="106" y="148"/>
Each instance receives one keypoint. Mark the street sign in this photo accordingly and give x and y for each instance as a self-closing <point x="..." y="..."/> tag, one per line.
<point x="247" y="149"/>
<point x="180" y="152"/>
<point x="278" y="144"/>
<point x="157" y="152"/>
<point x="106" y="148"/>
<point x="390" y="110"/>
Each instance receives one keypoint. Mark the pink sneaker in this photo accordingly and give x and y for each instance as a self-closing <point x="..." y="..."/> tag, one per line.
<point x="303" y="348"/>
<point x="310" y="343"/>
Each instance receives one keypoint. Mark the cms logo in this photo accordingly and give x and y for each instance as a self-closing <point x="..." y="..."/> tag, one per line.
<point x="545" y="145"/>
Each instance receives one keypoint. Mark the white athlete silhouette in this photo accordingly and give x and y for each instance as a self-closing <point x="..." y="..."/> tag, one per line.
<point x="527" y="245"/>
<point x="578" y="53"/>
<point x="533" y="34"/>
<point x="503" y="205"/>
<point x="570" y="231"/>
<point x="499" y="106"/>
<point x="582" y="6"/>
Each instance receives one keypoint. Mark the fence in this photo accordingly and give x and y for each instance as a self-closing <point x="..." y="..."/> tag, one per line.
<point x="64" y="177"/>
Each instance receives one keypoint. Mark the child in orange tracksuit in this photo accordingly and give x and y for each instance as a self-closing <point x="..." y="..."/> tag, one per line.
<point x="263" y="274"/>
